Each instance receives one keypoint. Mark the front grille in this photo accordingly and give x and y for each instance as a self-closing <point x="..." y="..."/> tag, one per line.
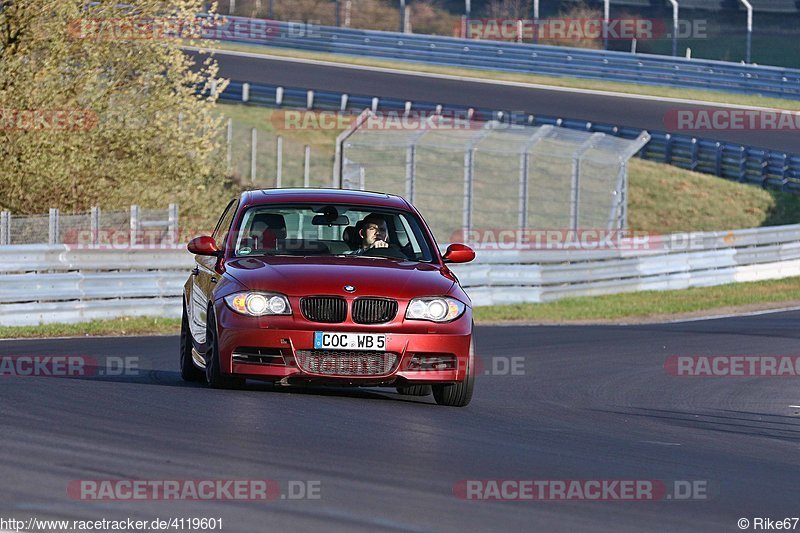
<point x="344" y="363"/>
<point x="328" y="309"/>
<point x="373" y="310"/>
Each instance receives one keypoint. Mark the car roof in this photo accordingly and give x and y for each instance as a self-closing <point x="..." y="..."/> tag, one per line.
<point x="339" y="196"/>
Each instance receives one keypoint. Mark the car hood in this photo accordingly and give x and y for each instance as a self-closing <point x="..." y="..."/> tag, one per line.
<point x="300" y="276"/>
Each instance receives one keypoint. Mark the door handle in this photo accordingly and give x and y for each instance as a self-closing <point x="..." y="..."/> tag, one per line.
<point x="196" y="271"/>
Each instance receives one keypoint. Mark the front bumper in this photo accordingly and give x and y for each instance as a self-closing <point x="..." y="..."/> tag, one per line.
<point x="280" y="338"/>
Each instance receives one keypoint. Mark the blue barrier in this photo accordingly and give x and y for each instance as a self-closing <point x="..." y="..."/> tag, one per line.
<point x="748" y="164"/>
<point x="517" y="57"/>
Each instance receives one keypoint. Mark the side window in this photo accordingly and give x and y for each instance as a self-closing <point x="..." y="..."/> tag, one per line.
<point x="224" y="224"/>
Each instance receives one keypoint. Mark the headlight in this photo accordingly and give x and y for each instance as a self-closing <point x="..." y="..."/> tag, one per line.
<point x="259" y="303"/>
<point x="435" y="309"/>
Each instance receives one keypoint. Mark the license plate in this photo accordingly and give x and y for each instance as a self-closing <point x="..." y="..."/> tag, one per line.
<point x="349" y="341"/>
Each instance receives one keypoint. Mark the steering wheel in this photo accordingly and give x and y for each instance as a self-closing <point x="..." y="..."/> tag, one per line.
<point x="392" y="252"/>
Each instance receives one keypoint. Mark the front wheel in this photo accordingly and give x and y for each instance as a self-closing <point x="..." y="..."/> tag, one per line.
<point x="458" y="394"/>
<point x="214" y="377"/>
<point x="189" y="372"/>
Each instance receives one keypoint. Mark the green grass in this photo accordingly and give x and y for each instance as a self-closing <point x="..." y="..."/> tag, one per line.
<point x="651" y="304"/>
<point x="116" y="327"/>
<point x="667" y="199"/>
<point x="579" y="83"/>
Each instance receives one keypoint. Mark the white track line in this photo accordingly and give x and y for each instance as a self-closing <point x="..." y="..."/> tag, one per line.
<point x="734" y="315"/>
<point x="644" y="322"/>
<point x="629" y="96"/>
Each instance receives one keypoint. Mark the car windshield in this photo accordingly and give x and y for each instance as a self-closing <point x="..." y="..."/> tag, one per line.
<point x="332" y="230"/>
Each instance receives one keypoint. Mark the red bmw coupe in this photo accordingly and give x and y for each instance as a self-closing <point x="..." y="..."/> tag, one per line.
<point x="327" y="286"/>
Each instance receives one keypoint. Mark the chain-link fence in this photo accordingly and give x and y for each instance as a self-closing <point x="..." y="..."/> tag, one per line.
<point x="260" y="157"/>
<point x="146" y="227"/>
<point x="491" y="175"/>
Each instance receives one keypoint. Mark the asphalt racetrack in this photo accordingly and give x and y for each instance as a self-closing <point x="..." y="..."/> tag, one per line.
<point x="551" y="403"/>
<point x="620" y="110"/>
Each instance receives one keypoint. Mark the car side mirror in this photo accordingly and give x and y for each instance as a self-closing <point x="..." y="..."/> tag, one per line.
<point x="203" y="245"/>
<point x="458" y="253"/>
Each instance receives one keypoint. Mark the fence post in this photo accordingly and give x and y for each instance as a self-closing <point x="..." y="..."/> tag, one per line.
<point x="411" y="157"/>
<point x="310" y="99"/>
<point x="307" y="167"/>
<point x="52" y="234"/>
<point x="469" y="174"/>
<point x="229" y="143"/>
<point x="134" y="224"/>
<point x="343" y="103"/>
<point x="524" y="163"/>
<point x="5" y="228"/>
<point x="362" y="178"/>
<point x="575" y="185"/>
<point x="524" y="171"/>
<point x="469" y="167"/>
<point x="279" y="96"/>
<point x="617" y="213"/>
<point x="245" y="92"/>
<point x="279" y="163"/>
<point x="172" y="218"/>
<point x="253" y="147"/>
<point x="411" y="171"/>
<point x="94" y="222"/>
<point x="624" y="200"/>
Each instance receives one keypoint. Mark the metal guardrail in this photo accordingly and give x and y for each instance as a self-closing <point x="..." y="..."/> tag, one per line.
<point x="678" y="261"/>
<point x="58" y="283"/>
<point x="748" y="164"/>
<point x="43" y="283"/>
<point x="516" y="57"/>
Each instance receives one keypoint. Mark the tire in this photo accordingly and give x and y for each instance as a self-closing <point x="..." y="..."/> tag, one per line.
<point x="189" y="372"/>
<point x="457" y="394"/>
<point x="214" y="377"/>
<point x="414" y="390"/>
